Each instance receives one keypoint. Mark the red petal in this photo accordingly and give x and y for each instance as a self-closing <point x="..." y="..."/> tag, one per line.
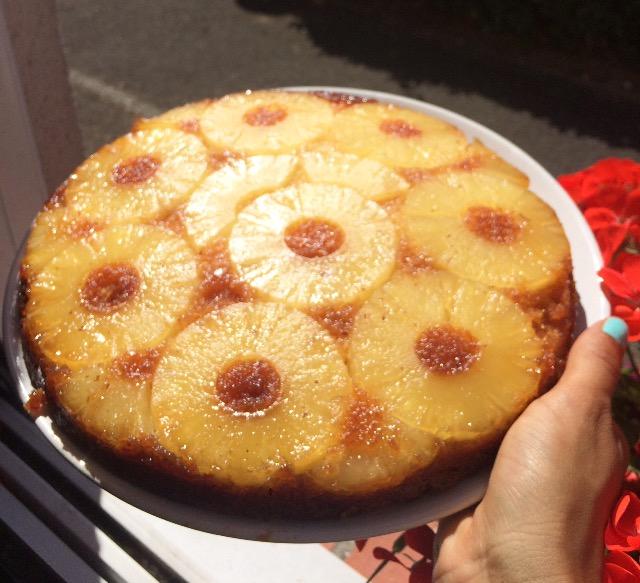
<point x="600" y="217"/>
<point x="572" y="183"/>
<point x="631" y="269"/>
<point x="384" y="555"/>
<point x="620" y="568"/>
<point x="632" y="317"/>
<point x="610" y="239"/>
<point x="632" y="207"/>
<point x="360" y="543"/>
<point x="421" y="572"/>
<point x="622" y="531"/>
<point x="616" y="282"/>
<point x="420" y="539"/>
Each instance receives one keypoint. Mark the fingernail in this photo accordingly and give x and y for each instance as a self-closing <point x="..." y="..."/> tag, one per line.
<point x="617" y="329"/>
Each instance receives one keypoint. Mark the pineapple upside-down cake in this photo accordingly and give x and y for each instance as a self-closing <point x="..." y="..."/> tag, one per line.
<point x="295" y="303"/>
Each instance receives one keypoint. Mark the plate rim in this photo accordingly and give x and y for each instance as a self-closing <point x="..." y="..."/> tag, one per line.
<point x="395" y="517"/>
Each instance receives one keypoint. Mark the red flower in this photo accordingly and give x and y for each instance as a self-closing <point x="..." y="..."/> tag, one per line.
<point x="623" y="530"/>
<point x="609" y="232"/>
<point x="622" y="286"/>
<point x="608" y="183"/>
<point x="632" y="317"/>
<point x="624" y="283"/>
<point x="620" y="568"/>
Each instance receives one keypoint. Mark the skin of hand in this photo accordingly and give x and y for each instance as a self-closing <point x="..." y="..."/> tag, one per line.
<point x="555" y="479"/>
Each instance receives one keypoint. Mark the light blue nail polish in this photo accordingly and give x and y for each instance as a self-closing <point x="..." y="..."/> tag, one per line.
<point x="617" y="329"/>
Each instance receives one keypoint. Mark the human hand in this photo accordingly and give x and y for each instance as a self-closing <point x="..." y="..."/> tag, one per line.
<point x="555" y="479"/>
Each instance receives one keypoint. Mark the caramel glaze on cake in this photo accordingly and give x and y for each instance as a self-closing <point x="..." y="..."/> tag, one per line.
<point x="288" y="240"/>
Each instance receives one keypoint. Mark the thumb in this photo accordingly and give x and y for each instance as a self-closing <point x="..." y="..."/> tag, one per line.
<point x="593" y="367"/>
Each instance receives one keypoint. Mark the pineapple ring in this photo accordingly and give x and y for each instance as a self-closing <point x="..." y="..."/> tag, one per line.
<point x="370" y="178"/>
<point x="214" y="204"/>
<point x="396" y="137"/>
<point x="376" y="452"/>
<point x="138" y="177"/>
<point x="479" y="396"/>
<point x="504" y="235"/>
<point x="193" y="422"/>
<point x="186" y="118"/>
<point x="259" y="248"/>
<point x="53" y="230"/>
<point x="121" y="289"/>
<point x="113" y="403"/>
<point x="265" y="122"/>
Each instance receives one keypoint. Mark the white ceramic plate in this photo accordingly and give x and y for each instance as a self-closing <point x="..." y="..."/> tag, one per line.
<point x="395" y="517"/>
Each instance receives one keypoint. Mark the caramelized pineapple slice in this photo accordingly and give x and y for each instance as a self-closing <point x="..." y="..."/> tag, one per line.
<point x="214" y="204"/>
<point x="445" y="355"/>
<point x="53" y="230"/>
<point x="480" y="159"/>
<point x="265" y="122"/>
<point x="185" y="117"/>
<point x="376" y="451"/>
<point x="486" y="228"/>
<point x="112" y="402"/>
<point x="396" y="137"/>
<point x="249" y="392"/>
<point x="370" y="178"/>
<point x="138" y="177"/>
<point x="311" y="245"/>
<point x="121" y="289"/>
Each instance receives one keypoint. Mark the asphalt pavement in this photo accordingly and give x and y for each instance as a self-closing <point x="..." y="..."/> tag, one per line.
<point x="136" y="58"/>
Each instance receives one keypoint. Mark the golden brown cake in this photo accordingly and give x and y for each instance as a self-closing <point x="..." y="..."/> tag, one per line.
<point x="295" y="303"/>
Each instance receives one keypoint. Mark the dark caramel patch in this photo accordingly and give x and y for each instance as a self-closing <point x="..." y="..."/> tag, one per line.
<point x="191" y="126"/>
<point x="106" y="289"/>
<point x="364" y="423"/>
<point x="415" y="175"/>
<point x="337" y="321"/>
<point x="248" y="386"/>
<point x="468" y="164"/>
<point x="342" y="100"/>
<point x="220" y="284"/>
<point x="265" y="115"/>
<point x="399" y="128"/>
<point x="411" y="260"/>
<point x="173" y="220"/>
<point x="137" y="366"/>
<point x="493" y="225"/>
<point x="447" y="350"/>
<point x="37" y="403"/>
<point x="219" y="159"/>
<point x="313" y="238"/>
<point x="135" y="170"/>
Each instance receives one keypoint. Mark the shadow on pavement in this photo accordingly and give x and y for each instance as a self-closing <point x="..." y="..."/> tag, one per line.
<point x="413" y="56"/>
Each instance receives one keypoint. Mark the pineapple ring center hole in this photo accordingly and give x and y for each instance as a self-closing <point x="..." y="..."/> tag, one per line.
<point x="493" y="225"/>
<point x="313" y="238"/>
<point x="265" y="115"/>
<point x="109" y="287"/>
<point x="135" y="170"/>
<point x="249" y="386"/>
<point x="447" y="350"/>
